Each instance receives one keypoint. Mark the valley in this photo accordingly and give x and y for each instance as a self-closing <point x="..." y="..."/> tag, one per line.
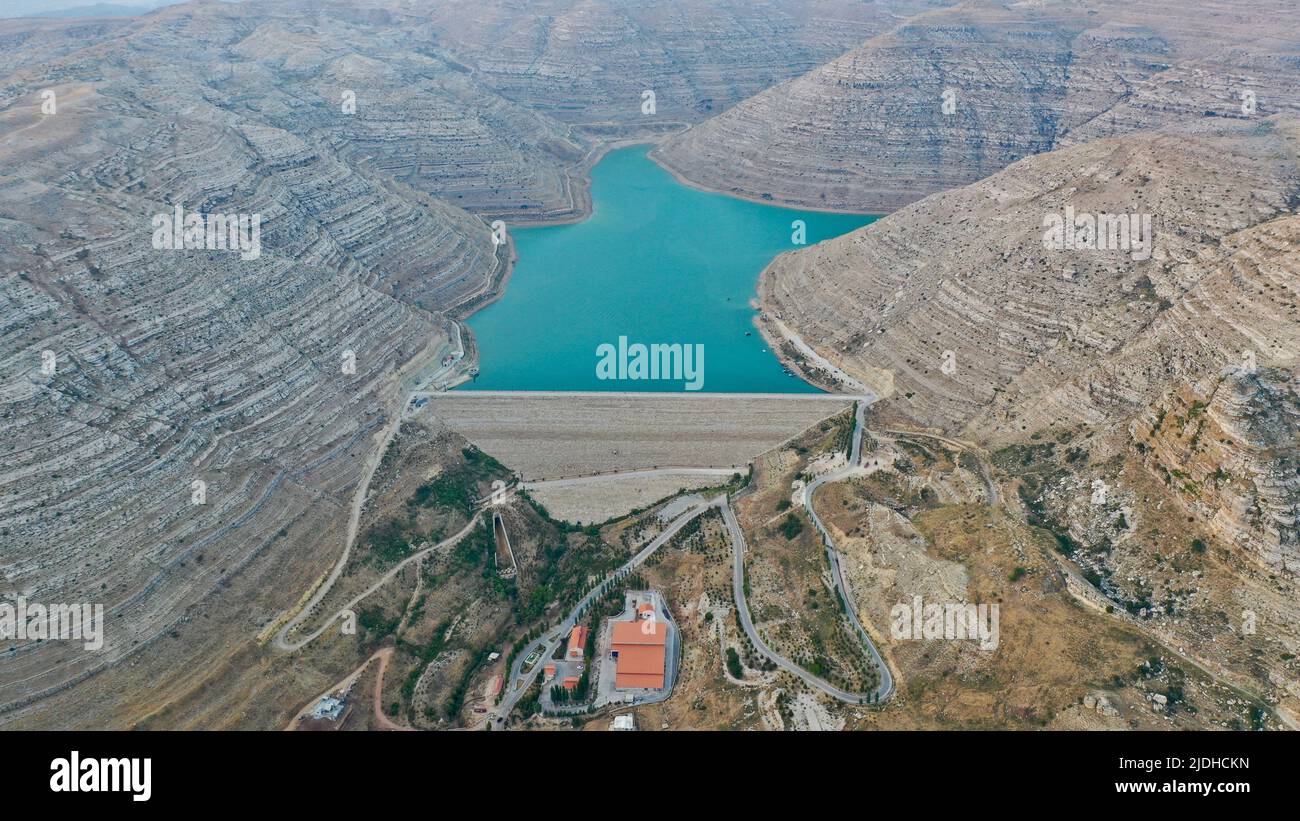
<point x="289" y="476"/>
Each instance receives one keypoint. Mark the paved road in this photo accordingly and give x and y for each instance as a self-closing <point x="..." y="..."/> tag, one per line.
<point x="859" y="425"/>
<point x="550" y="640"/>
<point x="854" y="468"/>
<point x="738" y="589"/>
<point x="886" y="685"/>
<point x="626" y="474"/>
<point x="472" y="394"/>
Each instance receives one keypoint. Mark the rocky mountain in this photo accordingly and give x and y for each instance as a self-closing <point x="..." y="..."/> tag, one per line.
<point x="186" y="421"/>
<point x="588" y="62"/>
<point x="172" y="415"/>
<point x="185" y="428"/>
<point x="951" y="96"/>
<point x="1142" y="400"/>
<point x="954" y="308"/>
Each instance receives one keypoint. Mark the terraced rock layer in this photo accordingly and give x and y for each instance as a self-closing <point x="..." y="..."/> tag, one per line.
<point x="874" y="130"/>
<point x="587" y="63"/>
<point x="955" y="308"/>
<point x="190" y="458"/>
<point x="170" y="417"/>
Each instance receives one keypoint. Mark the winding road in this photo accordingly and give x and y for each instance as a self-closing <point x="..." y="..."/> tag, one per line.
<point x="886" y="685"/>
<point x="518" y="682"/>
<point x="738" y="590"/>
<point x="374" y="458"/>
<point x="282" y="642"/>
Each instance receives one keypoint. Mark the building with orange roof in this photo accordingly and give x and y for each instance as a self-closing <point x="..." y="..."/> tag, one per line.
<point x="570" y="682"/>
<point x="640" y="649"/>
<point x="577" y="642"/>
<point x="645" y="610"/>
<point x="548" y="672"/>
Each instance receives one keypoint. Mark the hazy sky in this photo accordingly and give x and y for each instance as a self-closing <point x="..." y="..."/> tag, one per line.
<point x="21" y="8"/>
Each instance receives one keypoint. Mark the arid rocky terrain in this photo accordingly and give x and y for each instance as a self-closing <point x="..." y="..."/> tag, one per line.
<point x="1148" y="386"/>
<point x="950" y="96"/>
<point x="219" y="446"/>
<point x="1153" y="392"/>
<point x="201" y="421"/>
<point x="922" y="523"/>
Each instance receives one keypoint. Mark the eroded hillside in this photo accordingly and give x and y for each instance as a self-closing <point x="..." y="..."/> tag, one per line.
<point x="173" y="415"/>
<point x="217" y="442"/>
<point x="1145" y="398"/>
<point x="951" y="96"/>
<point x="186" y="430"/>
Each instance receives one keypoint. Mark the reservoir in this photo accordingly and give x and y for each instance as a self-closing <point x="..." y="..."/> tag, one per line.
<point x="657" y="262"/>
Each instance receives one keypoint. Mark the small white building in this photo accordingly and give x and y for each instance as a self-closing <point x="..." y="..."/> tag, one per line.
<point x="623" y="722"/>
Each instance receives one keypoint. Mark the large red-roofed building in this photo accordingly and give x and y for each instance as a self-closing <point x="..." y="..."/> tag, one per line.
<point x="640" y="648"/>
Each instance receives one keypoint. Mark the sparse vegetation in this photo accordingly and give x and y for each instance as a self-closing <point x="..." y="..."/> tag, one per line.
<point x="791" y="526"/>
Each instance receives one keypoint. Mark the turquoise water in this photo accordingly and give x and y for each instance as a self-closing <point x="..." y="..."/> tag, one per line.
<point x="657" y="262"/>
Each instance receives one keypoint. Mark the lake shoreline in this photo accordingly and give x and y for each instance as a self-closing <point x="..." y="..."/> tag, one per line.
<point x="788" y="206"/>
<point x="668" y="263"/>
<point x="583" y="209"/>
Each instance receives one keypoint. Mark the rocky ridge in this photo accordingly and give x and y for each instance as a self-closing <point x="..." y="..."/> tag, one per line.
<point x="876" y="129"/>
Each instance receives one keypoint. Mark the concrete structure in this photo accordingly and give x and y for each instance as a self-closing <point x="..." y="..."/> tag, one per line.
<point x="328" y="707"/>
<point x="549" y="642"/>
<point x="548" y="672"/>
<point x="623" y="722"/>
